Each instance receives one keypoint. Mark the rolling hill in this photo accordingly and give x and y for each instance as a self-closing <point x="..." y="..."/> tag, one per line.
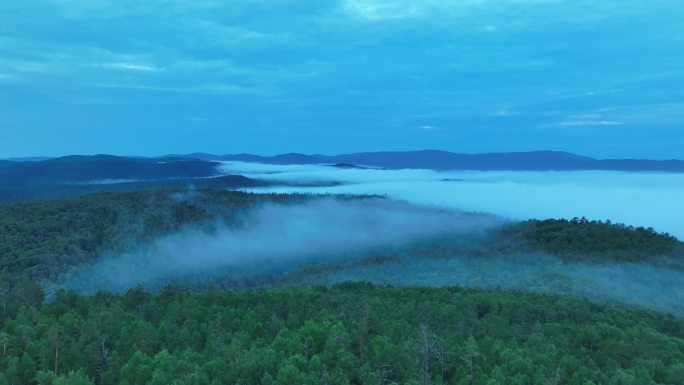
<point x="81" y="169"/>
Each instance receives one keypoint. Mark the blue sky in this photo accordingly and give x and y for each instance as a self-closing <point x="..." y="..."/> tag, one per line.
<point x="601" y="78"/>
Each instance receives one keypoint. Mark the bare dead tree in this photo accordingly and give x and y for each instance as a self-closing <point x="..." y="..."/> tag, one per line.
<point x="441" y="354"/>
<point x="4" y="294"/>
<point x="362" y="374"/>
<point x="102" y="355"/>
<point x="4" y="341"/>
<point x="471" y="353"/>
<point x="54" y="337"/>
<point x="556" y="379"/>
<point x="324" y="378"/>
<point x="425" y="351"/>
<point x="384" y="371"/>
<point x="305" y="348"/>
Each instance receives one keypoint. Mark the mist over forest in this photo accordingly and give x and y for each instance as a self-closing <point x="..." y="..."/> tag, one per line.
<point x="650" y="199"/>
<point x="324" y="239"/>
<point x="347" y="192"/>
<point x="334" y="272"/>
<point x="272" y="238"/>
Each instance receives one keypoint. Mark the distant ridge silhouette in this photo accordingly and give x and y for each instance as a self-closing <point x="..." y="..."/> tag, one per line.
<point x="81" y="168"/>
<point x="445" y="160"/>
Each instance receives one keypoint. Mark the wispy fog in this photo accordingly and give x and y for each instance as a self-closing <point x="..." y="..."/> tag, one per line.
<point x="276" y="237"/>
<point x="629" y="283"/>
<point x="639" y="199"/>
<point x="326" y="240"/>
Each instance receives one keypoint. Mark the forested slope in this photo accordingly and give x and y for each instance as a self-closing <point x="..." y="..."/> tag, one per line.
<point x="43" y="239"/>
<point x="347" y="334"/>
<point x="584" y="240"/>
<point x="350" y="333"/>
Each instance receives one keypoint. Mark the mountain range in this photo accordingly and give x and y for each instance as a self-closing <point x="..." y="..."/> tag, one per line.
<point x="83" y="169"/>
<point x="80" y="169"/>
<point x="444" y="160"/>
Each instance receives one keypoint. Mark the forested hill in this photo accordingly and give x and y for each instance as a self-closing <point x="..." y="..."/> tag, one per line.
<point x="43" y="239"/>
<point x="584" y="240"/>
<point x="347" y="334"/>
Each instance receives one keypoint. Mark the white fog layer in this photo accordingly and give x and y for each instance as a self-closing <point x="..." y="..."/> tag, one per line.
<point x="277" y="236"/>
<point x="638" y="199"/>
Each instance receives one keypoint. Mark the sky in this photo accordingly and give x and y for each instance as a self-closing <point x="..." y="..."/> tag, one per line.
<point x="600" y="78"/>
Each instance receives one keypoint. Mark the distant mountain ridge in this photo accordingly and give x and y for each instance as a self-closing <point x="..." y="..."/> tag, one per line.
<point x="80" y="168"/>
<point x="445" y="160"/>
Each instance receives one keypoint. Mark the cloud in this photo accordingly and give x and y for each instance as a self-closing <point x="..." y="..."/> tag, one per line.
<point x="380" y="10"/>
<point x="574" y="123"/>
<point x="347" y="68"/>
<point x="383" y="10"/>
<point x="597" y="195"/>
<point x="8" y="77"/>
<point x="131" y="67"/>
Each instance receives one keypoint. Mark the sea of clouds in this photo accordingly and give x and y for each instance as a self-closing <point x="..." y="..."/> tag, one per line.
<point x="646" y="199"/>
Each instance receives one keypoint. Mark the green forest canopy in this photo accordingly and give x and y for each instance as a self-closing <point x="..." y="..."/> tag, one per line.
<point x="43" y="240"/>
<point x="351" y="333"/>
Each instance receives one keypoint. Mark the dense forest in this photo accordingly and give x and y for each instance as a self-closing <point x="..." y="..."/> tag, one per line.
<point x="351" y="333"/>
<point x="291" y="332"/>
<point x="43" y="240"/>
<point x="585" y="240"/>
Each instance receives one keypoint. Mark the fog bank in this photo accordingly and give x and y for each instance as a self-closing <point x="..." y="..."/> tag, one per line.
<point x="327" y="240"/>
<point x="627" y="283"/>
<point x="638" y="199"/>
<point x="276" y="237"/>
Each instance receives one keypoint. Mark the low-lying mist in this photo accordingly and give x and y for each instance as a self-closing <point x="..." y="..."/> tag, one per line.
<point x="646" y="199"/>
<point x="276" y="237"/>
<point x="638" y="284"/>
<point x="327" y="240"/>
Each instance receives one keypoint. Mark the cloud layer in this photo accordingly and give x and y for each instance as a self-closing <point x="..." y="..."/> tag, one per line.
<point x="339" y="76"/>
<point x="638" y="199"/>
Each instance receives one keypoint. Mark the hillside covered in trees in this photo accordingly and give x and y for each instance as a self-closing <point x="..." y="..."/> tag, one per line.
<point x="346" y="334"/>
<point x="296" y="326"/>
<point x="44" y="240"/>
<point x="585" y="240"/>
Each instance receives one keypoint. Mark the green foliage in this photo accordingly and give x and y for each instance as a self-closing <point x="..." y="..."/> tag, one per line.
<point x="351" y="333"/>
<point x="582" y="239"/>
<point x="44" y="240"/>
